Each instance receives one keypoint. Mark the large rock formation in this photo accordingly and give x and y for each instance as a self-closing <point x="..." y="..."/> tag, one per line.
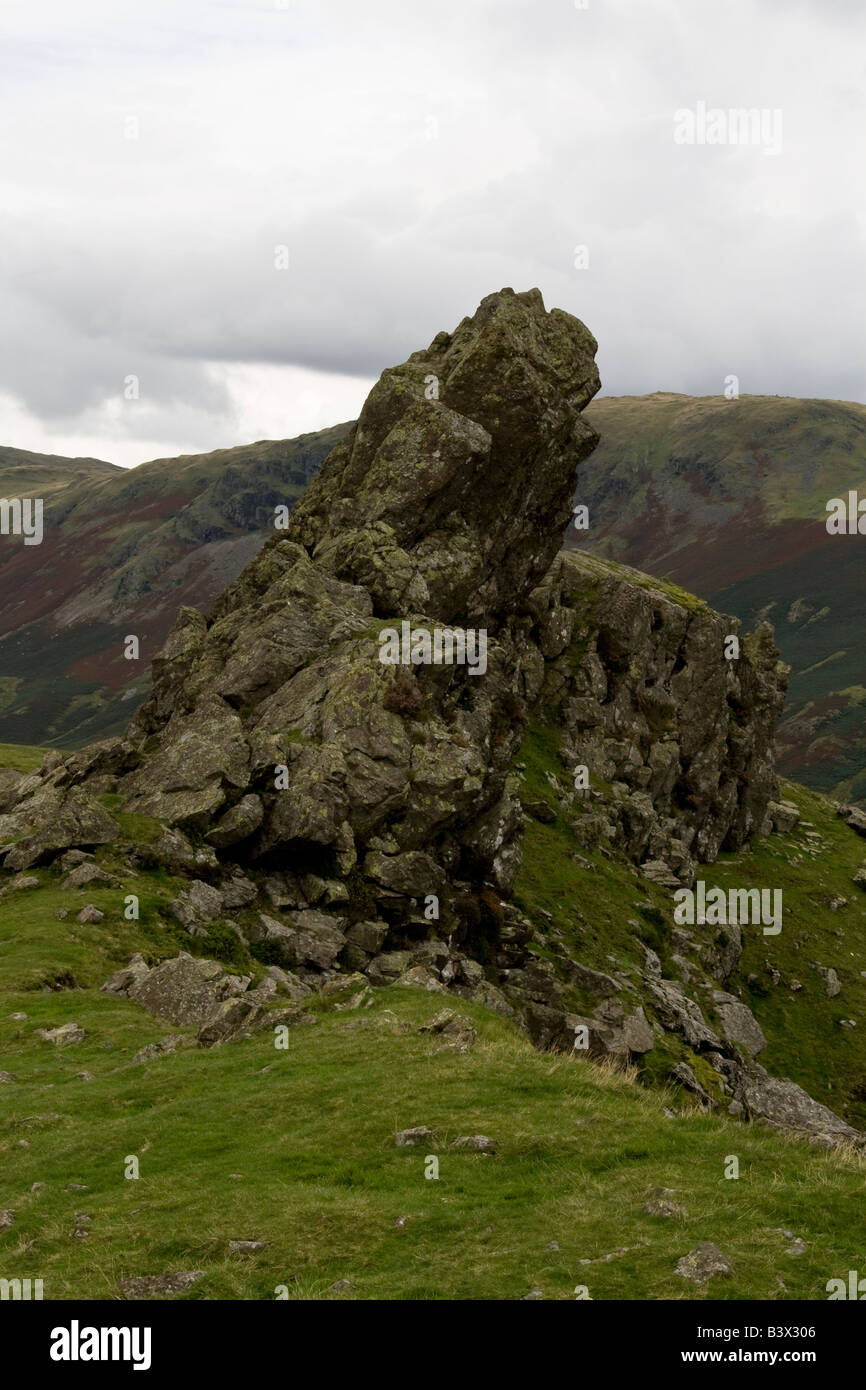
<point x="277" y="732"/>
<point x="444" y="506"/>
<point x="371" y="808"/>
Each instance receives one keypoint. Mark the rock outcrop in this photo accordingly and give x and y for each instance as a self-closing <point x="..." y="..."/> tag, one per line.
<point x="679" y="737"/>
<point x="192" y="991"/>
<point x="341" y="808"/>
<point x="276" y="729"/>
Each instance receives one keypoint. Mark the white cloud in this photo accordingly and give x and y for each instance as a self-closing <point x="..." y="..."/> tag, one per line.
<point x="413" y="159"/>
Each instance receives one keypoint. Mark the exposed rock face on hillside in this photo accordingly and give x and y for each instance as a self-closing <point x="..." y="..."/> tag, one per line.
<point x="650" y="706"/>
<point x="354" y="814"/>
<point x="445" y="505"/>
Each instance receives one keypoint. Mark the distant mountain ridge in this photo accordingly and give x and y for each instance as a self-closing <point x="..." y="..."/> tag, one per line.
<point x="23" y="472"/>
<point x="123" y="549"/>
<point x="728" y="500"/>
<point x="724" y="498"/>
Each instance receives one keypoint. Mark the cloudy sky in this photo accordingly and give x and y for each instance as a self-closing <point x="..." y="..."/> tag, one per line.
<point x="162" y="162"/>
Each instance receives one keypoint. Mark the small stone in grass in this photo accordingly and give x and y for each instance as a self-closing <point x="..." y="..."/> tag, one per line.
<point x="704" y="1262"/>
<point x="419" y="1135"/>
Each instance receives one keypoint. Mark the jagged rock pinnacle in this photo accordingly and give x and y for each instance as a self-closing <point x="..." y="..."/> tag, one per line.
<point x="276" y="728"/>
<point x="450" y="494"/>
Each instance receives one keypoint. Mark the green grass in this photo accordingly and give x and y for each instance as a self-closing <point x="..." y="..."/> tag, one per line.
<point x="597" y="921"/>
<point x="312" y="1140"/>
<point x="21" y="757"/>
<point x="794" y="453"/>
<point x="592" y="909"/>
<point x="296" y="1147"/>
<point x="808" y="1042"/>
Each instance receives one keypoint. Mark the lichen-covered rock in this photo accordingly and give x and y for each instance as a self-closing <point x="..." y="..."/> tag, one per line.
<point x="198" y="904"/>
<point x="705" y="1262"/>
<point x="156" y="1285"/>
<point x="238" y="823"/>
<point x="594" y="981"/>
<point x="738" y="1024"/>
<point x="238" y="891"/>
<point x="10" y="787"/>
<point x="174" y="851"/>
<point x="456" y="1031"/>
<point x="368" y="936"/>
<point x="680" y="1013"/>
<point x="421" y="977"/>
<point x="407" y="1138"/>
<point x="21" y="882"/>
<point x="475" y="1143"/>
<point x="123" y="979"/>
<point x="85" y="874"/>
<point x="854" y="817"/>
<point x="831" y="980"/>
<point x="230" y="1017"/>
<point x="201" y="755"/>
<point x="184" y="989"/>
<point x="275" y="729"/>
<point x="696" y="771"/>
<point x="385" y="969"/>
<point x="372" y="807"/>
<point x="287" y="983"/>
<point x="63" y="1035"/>
<point x="785" y="1105"/>
<point x="610" y="1033"/>
<point x="316" y="938"/>
<point x="164" y="1048"/>
<point x="199" y="993"/>
<point x="51" y="820"/>
<point x="90" y="913"/>
<point x="473" y="479"/>
<point x="663" y="1206"/>
<point x="783" y="816"/>
<point x="263" y="927"/>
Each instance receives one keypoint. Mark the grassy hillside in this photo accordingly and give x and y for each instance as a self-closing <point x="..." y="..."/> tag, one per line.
<point x="596" y="917"/>
<point x="296" y="1147"/>
<point x="788" y="454"/>
<point x="20" y="757"/>
<point x="25" y="474"/>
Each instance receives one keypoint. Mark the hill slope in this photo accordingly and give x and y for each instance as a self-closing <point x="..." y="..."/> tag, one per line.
<point x="120" y="554"/>
<point x="499" y="844"/>
<point x="310" y="1129"/>
<point x="25" y="474"/>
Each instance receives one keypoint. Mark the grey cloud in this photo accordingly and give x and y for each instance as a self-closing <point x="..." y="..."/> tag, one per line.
<point x="552" y="127"/>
